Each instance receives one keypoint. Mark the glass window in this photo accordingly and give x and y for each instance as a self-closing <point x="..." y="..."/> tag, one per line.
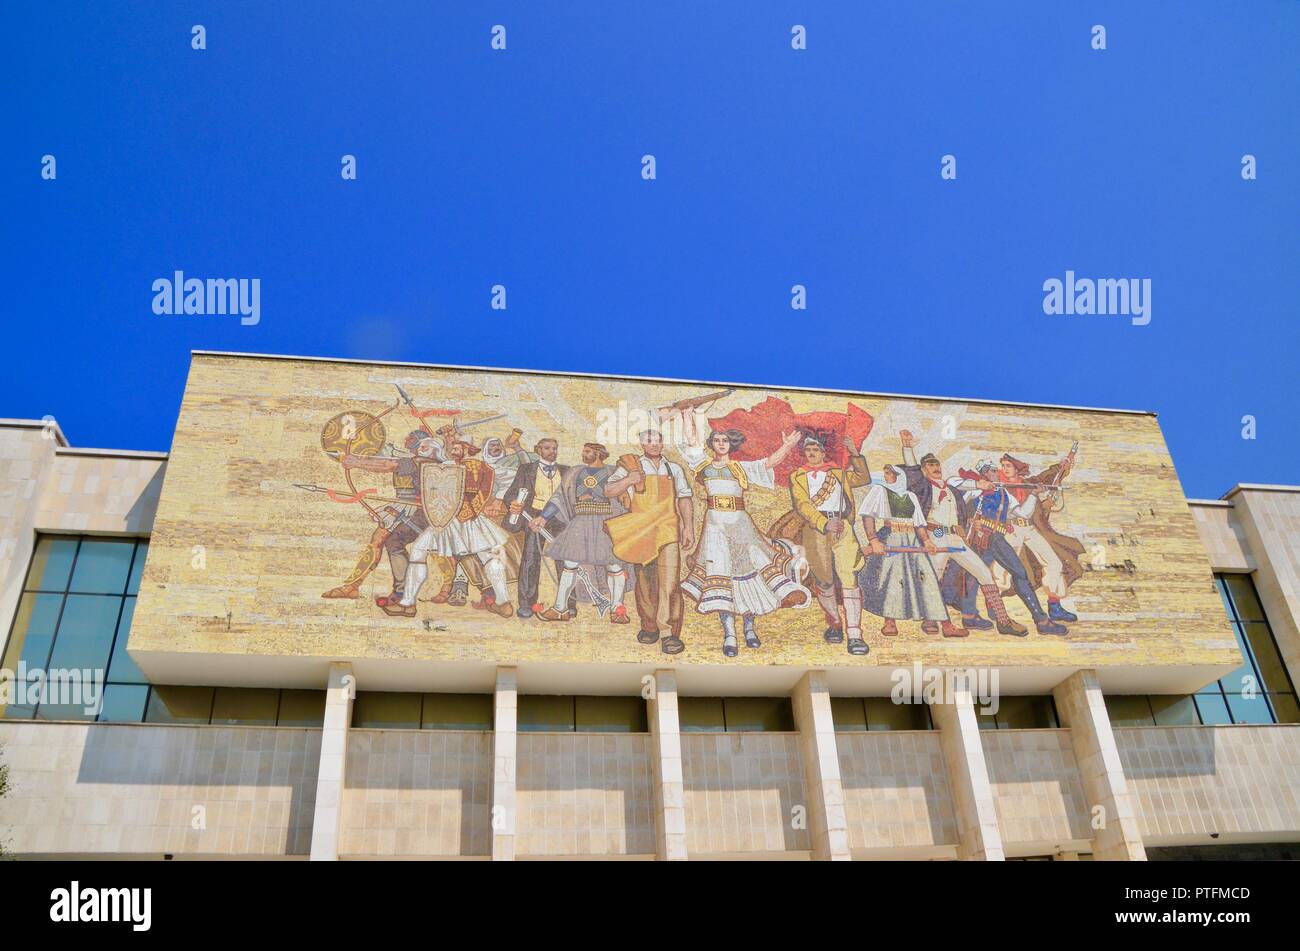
<point x="610" y="715"/>
<point x="102" y="566"/>
<point x="1174" y="710"/>
<point x="51" y="564"/>
<point x="302" y="708"/>
<point x="137" y="568"/>
<point x="1272" y="672"/>
<point x="85" y="636"/>
<point x="1285" y="707"/>
<point x="539" y="713"/>
<point x="457" y="711"/>
<point x="1213" y="709"/>
<point x="1249" y="709"/>
<point x="701" y="715"/>
<point x="375" y="710"/>
<point x="1245" y="601"/>
<point x="86" y="627"/>
<point x="758" y="715"/>
<point x="249" y="706"/>
<point x="1129" y="710"/>
<point x="33" y="631"/>
<point x="884" y="714"/>
<point x="179" y="705"/>
<point x="124" y="703"/>
<point x="122" y="669"/>
<point x="848" y="714"/>
<point x="1026" y="713"/>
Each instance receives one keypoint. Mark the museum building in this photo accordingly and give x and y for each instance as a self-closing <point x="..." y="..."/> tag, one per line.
<point x="244" y="708"/>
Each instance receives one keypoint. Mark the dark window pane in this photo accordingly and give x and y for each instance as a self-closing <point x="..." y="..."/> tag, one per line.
<point x="1249" y="709"/>
<point x="758" y="715"/>
<point x="102" y="566"/>
<point x="122" y="669"/>
<point x="65" y="711"/>
<point x="457" y="711"/>
<point x="1267" y="660"/>
<point x="1285" y="707"/>
<point x="124" y="703"/>
<point x="85" y="636"/>
<point x="179" y="705"/>
<point x="33" y="631"/>
<point x="540" y="713"/>
<point x="1174" y="711"/>
<point x="302" y="708"/>
<point x="374" y="710"/>
<point x="250" y="706"/>
<point x="1244" y="598"/>
<point x="137" y="568"/>
<point x="701" y="715"/>
<point x="848" y="714"/>
<point x="985" y="719"/>
<point x="1243" y="678"/>
<point x="1213" y="710"/>
<point x="51" y="564"/>
<point x="1129" y="710"/>
<point x="1026" y="713"/>
<point x="884" y="714"/>
<point x="610" y="715"/>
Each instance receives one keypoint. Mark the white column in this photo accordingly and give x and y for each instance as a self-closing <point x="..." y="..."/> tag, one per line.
<point x="1082" y="708"/>
<point x="669" y="791"/>
<point x="330" y="776"/>
<point x="821" y="767"/>
<point x="978" y="833"/>
<point x="504" y="724"/>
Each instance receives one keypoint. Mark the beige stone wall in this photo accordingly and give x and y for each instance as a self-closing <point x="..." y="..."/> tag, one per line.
<point x="417" y="792"/>
<point x="26" y="458"/>
<point x="250" y="428"/>
<point x="896" y="793"/>
<point x="1222" y="536"/>
<point x="133" y="789"/>
<point x="584" y="794"/>
<point x="1036" y="790"/>
<point x="1238" y="781"/>
<point x="741" y="789"/>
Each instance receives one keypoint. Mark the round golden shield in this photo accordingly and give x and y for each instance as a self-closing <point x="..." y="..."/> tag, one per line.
<point x="358" y="433"/>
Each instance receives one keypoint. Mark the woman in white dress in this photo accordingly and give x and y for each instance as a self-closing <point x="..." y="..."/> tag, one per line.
<point x="736" y="569"/>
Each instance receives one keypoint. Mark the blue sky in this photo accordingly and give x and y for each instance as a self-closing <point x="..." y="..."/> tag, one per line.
<point x="775" y="167"/>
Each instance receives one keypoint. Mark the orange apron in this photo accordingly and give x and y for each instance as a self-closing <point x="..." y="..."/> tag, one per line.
<point x="648" y="525"/>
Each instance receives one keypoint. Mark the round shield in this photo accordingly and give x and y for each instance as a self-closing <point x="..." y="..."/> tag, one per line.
<point x="358" y="433"/>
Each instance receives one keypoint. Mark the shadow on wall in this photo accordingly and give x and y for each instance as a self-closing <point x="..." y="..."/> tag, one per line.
<point x="200" y="790"/>
<point x="417" y="792"/>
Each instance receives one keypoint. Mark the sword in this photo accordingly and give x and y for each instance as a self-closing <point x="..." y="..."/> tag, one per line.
<point x="601" y="602"/>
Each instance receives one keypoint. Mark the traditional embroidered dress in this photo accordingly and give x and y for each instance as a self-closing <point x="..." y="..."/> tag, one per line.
<point x="736" y="568"/>
<point x="902" y="586"/>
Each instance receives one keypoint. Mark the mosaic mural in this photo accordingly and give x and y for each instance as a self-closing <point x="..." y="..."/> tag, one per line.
<point x="346" y="509"/>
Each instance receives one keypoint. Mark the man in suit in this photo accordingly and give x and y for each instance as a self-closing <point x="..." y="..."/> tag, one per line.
<point x="534" y="484"/>
<point x="822" y="496"/>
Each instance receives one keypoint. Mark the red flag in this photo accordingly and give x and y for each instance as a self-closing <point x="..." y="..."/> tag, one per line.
<point x="764" y="425"/>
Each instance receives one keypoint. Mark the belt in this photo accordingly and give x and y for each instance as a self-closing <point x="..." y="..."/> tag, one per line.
<point x="1022" y="522"/>
<point x="992" y="525"/>
<point x="900" y="525"/>
<point x="592" y="508"/>
<point x="726" y="503"/>
<point x="938" y="531"/>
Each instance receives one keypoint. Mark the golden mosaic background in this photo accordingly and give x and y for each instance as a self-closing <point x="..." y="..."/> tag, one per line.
<point x="249" y="429"/>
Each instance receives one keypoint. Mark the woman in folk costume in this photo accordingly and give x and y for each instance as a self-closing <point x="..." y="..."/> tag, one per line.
<point x="898" y="581"/>
<point x="736" y="569"/>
